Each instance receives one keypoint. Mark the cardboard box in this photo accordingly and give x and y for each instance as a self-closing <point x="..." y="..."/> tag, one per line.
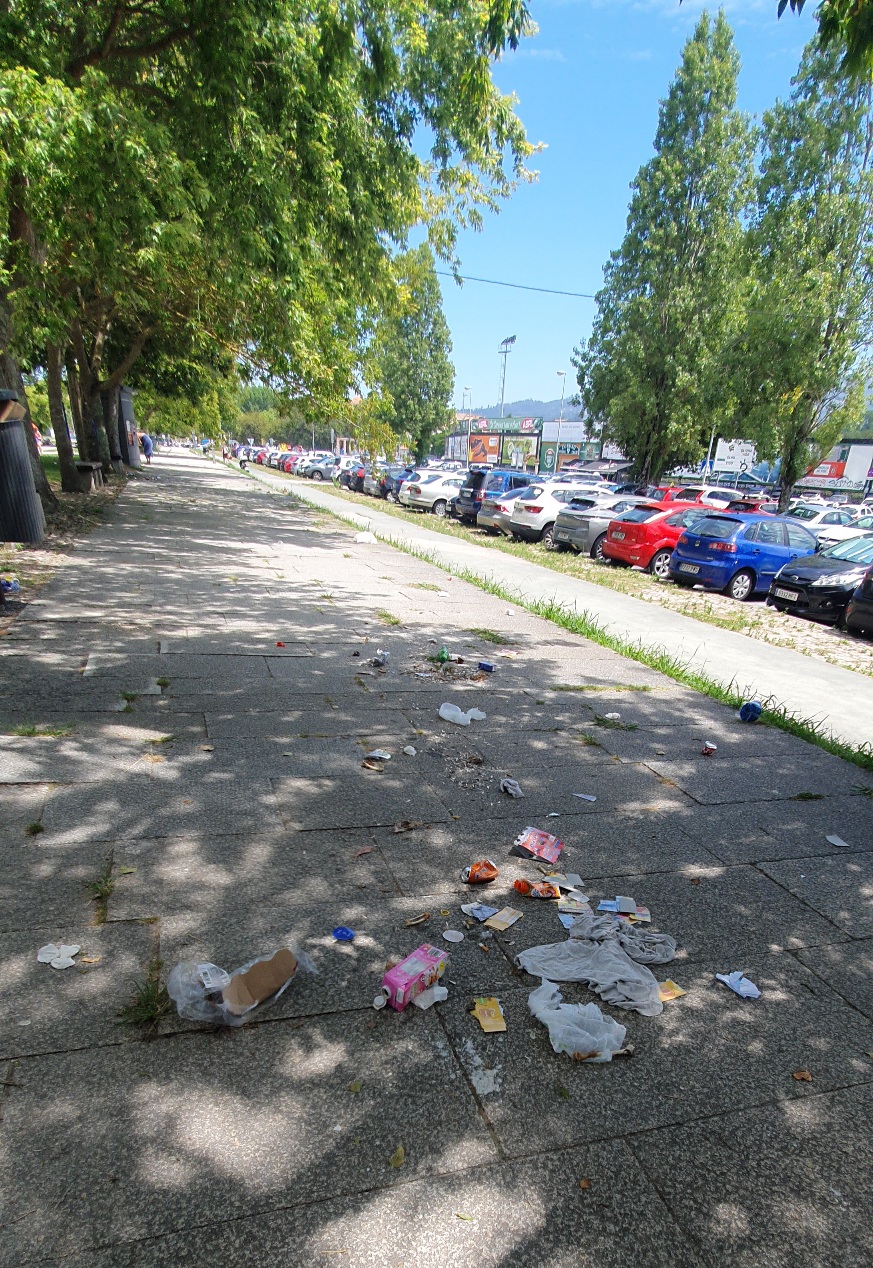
<point x="248" y="989"/>
<point x="420" y="970"/>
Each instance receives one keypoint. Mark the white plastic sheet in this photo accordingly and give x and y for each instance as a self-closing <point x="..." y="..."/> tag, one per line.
<point x="603" y="966"/>
<point x="580" y="1030"/>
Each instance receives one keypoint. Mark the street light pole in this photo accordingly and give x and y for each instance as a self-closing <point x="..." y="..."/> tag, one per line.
<point x="504" y="351"/>
<point x="562" y="374"/>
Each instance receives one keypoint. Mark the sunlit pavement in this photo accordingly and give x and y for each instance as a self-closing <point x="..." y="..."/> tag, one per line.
<point x="211" y="649"/>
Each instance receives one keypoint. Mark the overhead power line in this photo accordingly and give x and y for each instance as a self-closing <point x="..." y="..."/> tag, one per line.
<point x="516" y="286"/>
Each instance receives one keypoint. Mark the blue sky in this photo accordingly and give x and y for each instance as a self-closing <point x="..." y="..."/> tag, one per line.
<point x="588" y="85"/>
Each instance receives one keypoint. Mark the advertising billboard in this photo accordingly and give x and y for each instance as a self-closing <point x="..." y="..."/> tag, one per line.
<point x="520" y="452"/>
<point x="482" y="450"/>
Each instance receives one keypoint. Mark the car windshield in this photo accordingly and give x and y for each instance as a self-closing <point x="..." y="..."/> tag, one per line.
<point x="532" y="492"/>
<point x="475" y="480"/>
<point x="582" y="504"/>
<point x="857" y="550"/>
<point x="494" y="483"/>
<point x="639" y="514"/>
<point x="716" y="526"/>
<point x="805" y="512"/>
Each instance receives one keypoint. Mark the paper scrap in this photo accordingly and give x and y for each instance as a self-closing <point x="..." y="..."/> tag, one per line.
<point x="669" y="990"/>
<point x="489" y="1014"/>
<point x="835" y="840"/>
<point x="479" y="911"/>
<point x="505" y="917"/>
<point x="584" y="796"/>
<point x="739" y="984"/>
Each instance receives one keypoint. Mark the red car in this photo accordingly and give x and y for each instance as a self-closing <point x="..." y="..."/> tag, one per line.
<point x="644" y="538"/>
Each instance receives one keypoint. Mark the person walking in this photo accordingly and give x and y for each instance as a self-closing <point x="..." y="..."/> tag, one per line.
<point x="148" y="447"/>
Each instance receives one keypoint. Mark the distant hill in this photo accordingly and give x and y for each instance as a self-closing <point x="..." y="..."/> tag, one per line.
<point x="528" y="409"/>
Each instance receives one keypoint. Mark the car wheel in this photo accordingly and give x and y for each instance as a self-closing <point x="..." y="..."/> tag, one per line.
<point x="741" y="585"/>
<point x="439" y="508"/>
<point x="316" y="475"/>
<point x="547" y="537"/>
<point x="659" y="564"/>
<point x="597" y="549"/>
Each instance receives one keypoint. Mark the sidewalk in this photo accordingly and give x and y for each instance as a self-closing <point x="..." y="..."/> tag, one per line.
<point x="211" y="650"/>
<point x="810" y="688"/>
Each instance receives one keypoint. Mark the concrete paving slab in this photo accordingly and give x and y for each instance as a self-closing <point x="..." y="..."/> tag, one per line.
<point x="772" y="1185"/>
<point x="840" y="888"/>
<point x="779" y="777"/>
<point x="335" y="719"/>
<point x="806" y="825"/>
<point x="68" y="759"/>
<point x="124" y="809"/>
<point x="46" y="1010"/>
<point x="247" y="1120"/>
<point x="40" y="883"/>
<point x="372" y="799"/>
<point x="847" y="968"/>
<point x="22" y="806"/>
<point x="509" y="1215"/>
<point x="707" y="1053"/>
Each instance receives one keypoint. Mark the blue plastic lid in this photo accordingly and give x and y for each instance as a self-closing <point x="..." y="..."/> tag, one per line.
<point x="342" y="934"/>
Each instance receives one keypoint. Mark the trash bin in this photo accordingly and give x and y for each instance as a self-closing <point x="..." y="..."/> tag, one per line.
<point x="21" y="514"/>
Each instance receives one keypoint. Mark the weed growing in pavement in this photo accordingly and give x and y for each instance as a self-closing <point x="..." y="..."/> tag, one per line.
<point x="614" y="724"/>
<point x="588" y="740"/>
<point x="862" y="790"/>
<point x="150" y="1002"/>
<point x="163" y="739"/>
<point x="807" y="796"/>
<point x="102" y="890"/>
<point x="162" y="682"/>
<point x="388" y="618"/>
<point x="490" y="636"/>
<point x="425" y="585"/>
<point x="130" y="696"/>
<point x="773" y="713"/>
<point x="610" y="686"/>
<point x="34" y="829"/>
<point x="66" y="729"/>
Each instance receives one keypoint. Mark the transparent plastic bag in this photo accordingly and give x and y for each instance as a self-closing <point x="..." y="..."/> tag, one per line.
<point x="202" y="991"/>
<point x="580" y="1030"/>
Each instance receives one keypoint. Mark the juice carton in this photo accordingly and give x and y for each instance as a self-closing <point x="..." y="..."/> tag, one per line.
<point x="413" y="975"/>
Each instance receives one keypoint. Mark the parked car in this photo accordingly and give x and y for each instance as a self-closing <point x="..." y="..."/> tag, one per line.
<point x="310" y="459"/>
<point x="820" y="518"/>
<point x="821" y="585"/>
<point x="739" y="554"/>
<point x="396" y="476"/>
<point x="583" y="523"/>
<point x="858" y="617"/>
<point x="536" y="509"/>
<point x="495" y="511"/>
<point x="322" y="468"/>
<point x="431" y="492"/>
<point x="645" y="536"/>
<point x="830" y="534"/>
<point x="479" y="482"/>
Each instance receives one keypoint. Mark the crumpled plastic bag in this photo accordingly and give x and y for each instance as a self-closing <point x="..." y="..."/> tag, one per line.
<point x="365" y="539"/>
<point x="603" y="966"/>
<point x="739" y="984"/>
<point x="196" y="989"/>
<point x="451" y="713"/>
<point x="59" y="957"/>
<point x="642" y="945"/>
<point x="580" y="1030"/>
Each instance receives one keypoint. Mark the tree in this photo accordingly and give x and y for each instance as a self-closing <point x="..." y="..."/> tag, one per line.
<point x="800" y="374"/>
<point x="165" y="174"/>
<point x="651" y="371"/>
<point x="410" y="355"/>
<point x="845" y="25"/>
<point x="373" y="436"/>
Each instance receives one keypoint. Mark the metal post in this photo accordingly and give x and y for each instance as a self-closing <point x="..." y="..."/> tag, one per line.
<point x="709" y="450"/>
<point x="563" y="377"/>
<point x="504" y="351"/>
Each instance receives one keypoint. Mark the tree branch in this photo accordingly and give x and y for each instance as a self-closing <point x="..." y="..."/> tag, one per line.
<point x="131" y="52"/>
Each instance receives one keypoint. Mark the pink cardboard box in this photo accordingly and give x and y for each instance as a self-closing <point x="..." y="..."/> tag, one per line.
<point x="413" y="975"/>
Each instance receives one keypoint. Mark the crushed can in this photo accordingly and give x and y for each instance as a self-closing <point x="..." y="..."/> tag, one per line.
<point x="480" y="872"/>
<point x="709" y="749"/>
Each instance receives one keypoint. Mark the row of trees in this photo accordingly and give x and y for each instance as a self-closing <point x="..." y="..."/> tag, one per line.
<point x="742" y="296"/>
<point x="189" y="190"/>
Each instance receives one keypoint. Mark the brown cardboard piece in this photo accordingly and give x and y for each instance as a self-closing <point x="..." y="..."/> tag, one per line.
<point x="258" y="983"/>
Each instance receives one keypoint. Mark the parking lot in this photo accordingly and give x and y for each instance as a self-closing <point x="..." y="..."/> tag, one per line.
<point x="753" y="618"/>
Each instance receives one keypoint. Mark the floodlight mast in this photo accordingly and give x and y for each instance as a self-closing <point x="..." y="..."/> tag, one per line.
<point x="504" y="351"/>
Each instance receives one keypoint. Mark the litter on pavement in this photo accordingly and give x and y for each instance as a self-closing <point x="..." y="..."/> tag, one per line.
<point x="739" y="984"/>
<point x="479" y="911"/>
<point x="433" y="995"/>
<point x="580" y="1030"/>
<point x="451" y="713"/>
<point x="480" y="872"/>
<point x="409" y="751"/>
<point x="505" y="917"/>
<point x="379" y="755"/>
<point x="365" y="539"/>
<point x="342" y="933"/>
<point x="709" y="749"/>
<point x="453" y="935"/>
<point x="59" y="957"/>
<point x="835" y="840"/>
<point x="670" y="990"/>
<point x="534" y="843"/>
<point x="413" y="975"/>
<point x="584" y="796"/>
<point x="512" y="787"/>
<point x="536" y="889"/>
<point x="205" y="992"/>
<point x="750" y="711"/>
<point x="489" y="1014"/>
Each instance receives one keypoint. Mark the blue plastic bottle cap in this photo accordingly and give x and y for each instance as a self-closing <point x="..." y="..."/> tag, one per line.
<point x="342" y="934"/>
<point x="750" y="711"/>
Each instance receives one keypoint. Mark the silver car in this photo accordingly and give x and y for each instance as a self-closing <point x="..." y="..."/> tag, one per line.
<point x="430" y="491"/>
<point x="582" y="525"/>
<point x="496" y="512"/>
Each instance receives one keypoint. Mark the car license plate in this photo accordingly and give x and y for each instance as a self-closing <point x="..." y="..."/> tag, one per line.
<point x="790" y="595"/>
<point x="562" y="536"/>
<point x="618" y="537"/>
<point x="689" y="567"/>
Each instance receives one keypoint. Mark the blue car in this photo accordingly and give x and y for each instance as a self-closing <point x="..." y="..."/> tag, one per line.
<point x="738" y="553"/>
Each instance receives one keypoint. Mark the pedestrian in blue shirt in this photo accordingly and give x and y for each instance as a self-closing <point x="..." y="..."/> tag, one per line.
<point x="148" y="447"/>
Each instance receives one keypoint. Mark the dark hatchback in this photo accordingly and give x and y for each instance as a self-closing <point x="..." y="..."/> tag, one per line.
<point x="858" y="618"/>
<point x="821" y="585"/>
<point x="481" y="482"/>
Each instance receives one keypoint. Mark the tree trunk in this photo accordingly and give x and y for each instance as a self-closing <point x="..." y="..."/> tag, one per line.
<point x="71" y="481"/>
<point x="76" y="409"/>
<point x="10" y="377"/>
<point x="109" y="408"/>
